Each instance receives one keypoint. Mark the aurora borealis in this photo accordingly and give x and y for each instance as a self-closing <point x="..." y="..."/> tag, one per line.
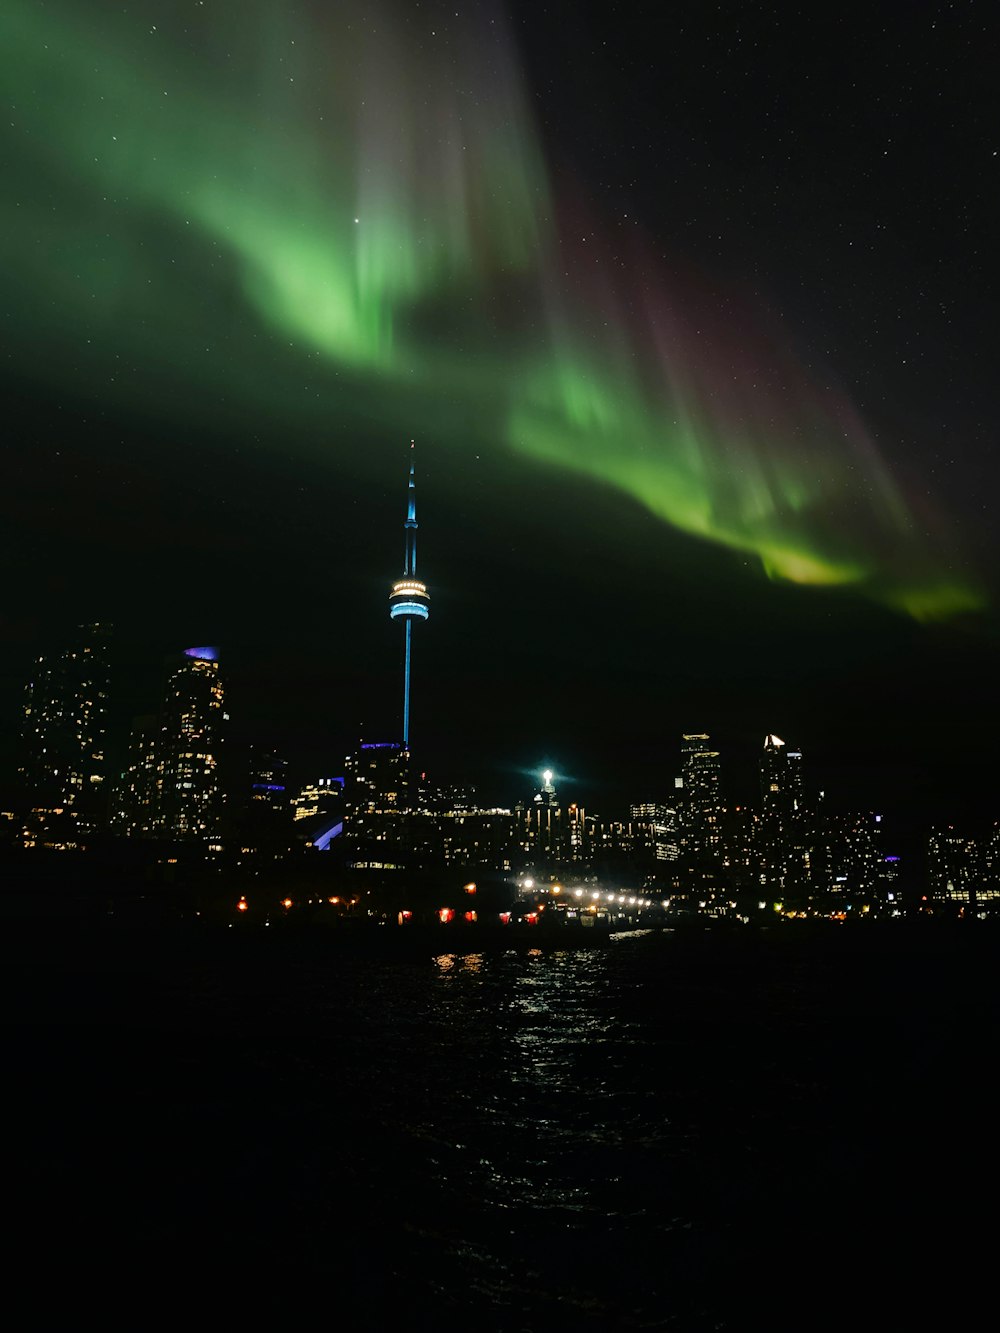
<point x="208" y="205"/>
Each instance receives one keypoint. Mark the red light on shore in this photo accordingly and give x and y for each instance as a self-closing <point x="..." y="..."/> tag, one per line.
<point x="470" y="888"/>
<point x="446" y="914"/>
<point x="472" y="916"/>
<point x="505" y="918"/>
<point x="531" y="919"/>
<point x="241" y="906"/>
<point x="286" y="903"/>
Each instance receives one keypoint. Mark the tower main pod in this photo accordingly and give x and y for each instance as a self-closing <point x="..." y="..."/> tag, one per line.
<point x="409" y="600"/>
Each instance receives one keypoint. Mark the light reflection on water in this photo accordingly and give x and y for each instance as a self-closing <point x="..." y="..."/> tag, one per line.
<point x="549" y="1103"/>
<point x="550" y="1096"/>
<point x="649" y="1134"/>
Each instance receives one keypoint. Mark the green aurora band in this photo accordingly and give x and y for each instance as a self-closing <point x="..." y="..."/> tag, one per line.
<point x="192" y="187"/>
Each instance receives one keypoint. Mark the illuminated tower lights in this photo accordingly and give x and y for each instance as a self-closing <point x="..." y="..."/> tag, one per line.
<point x="702" y="800"/>
<point x="781" y="777"/>
<point x="409" y="600"/>
<point x="63" y="732"/>
<point x="191" y="797"/>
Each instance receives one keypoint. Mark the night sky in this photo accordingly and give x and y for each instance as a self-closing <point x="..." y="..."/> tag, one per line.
<point x="690" y="309"/>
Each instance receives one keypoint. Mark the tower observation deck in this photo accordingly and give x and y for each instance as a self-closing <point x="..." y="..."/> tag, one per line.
<point x="409" y="600"/>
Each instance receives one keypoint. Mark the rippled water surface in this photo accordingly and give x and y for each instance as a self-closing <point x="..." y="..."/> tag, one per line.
<point x="663" y="1132"/>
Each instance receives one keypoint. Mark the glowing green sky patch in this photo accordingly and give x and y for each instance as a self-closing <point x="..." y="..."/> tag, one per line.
<point x="333" y="179"/>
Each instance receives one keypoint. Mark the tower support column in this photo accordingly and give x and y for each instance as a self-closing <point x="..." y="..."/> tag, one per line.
<point x="406" y="687"/>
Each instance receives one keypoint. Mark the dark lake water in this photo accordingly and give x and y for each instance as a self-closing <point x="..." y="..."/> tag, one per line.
<point x="685" y="1133"/>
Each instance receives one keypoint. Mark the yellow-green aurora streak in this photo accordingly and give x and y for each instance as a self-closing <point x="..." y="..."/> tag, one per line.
<point x="342" y="178"/>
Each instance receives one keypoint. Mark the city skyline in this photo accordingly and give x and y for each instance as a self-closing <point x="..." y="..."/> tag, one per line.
<point x="187" y="463"/>
<point x="616" y="950"/>
<point x="689" y="849"/>
<point x="847" y="774"/>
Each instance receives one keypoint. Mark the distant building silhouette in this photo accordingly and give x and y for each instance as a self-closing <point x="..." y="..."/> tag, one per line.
<point x="64" y="724"/>
<point x="171" y="787"/>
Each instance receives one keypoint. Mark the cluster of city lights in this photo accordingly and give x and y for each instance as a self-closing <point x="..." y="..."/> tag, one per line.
<point x="446" y="915"/>
<point x="596" y="895"/>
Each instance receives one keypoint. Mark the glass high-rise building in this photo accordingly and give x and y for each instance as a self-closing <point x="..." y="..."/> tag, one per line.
<point x="781" y="785"/>
<point x="703" y="811"/>
<point x="191" y="798"/>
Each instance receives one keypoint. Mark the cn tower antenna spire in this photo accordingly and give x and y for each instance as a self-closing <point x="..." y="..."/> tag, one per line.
<point x="410" y="558"/>
<point x="408" y="600"/>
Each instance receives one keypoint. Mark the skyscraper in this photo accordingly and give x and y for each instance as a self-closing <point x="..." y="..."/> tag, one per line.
<point x="409" y="600"/>
<point x="191" y="797"/>
<point x="785" y="862"/>
<point x="780" y="779"/>
<point x="541" y="821"/>
<point x="702" y="796"/>
<point x="63" y="732"/>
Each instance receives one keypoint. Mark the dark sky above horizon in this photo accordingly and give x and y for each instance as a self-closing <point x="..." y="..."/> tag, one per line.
<point x="689" y="308"/>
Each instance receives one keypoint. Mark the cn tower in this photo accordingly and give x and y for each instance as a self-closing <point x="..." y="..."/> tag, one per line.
<point x="408" y="600"/>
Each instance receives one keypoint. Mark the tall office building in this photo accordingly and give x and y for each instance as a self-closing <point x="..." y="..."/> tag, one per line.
<point x="541" y="822"/>
<point x="63" y="734"/>
<point x="666" y="834"/>
<point x="191" y="798"/>
<point x="787" y="862"/>
<point x="781" y="779"/>
<point x="409" y="600"/>
<point x="702" y="805"/>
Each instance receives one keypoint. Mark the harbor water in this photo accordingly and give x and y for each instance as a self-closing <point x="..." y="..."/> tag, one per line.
<point x="702" y="1132"/>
